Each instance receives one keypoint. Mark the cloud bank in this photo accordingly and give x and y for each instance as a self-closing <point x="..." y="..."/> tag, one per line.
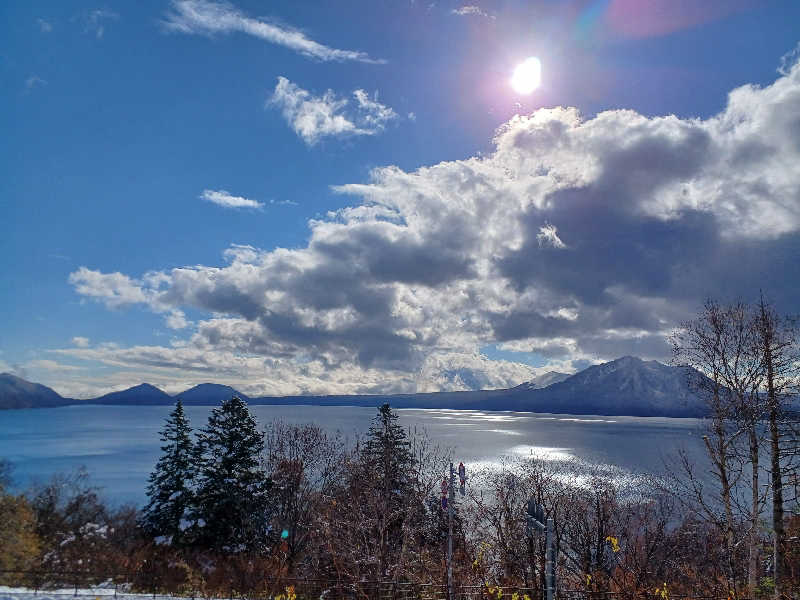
<point x="315" y="117"/>
<point x="210" y="18"/>
<point x="577" y="239"/>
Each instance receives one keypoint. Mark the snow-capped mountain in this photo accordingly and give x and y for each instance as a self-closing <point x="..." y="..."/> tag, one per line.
<point x="626" y="386"/>
<point x="543" y="380"/>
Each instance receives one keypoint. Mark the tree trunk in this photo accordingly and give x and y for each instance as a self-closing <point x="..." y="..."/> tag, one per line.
<point x="768" y="339"/>
<point x="720" y="458"/>
<point x="752" y="565"/>
<point x="777" y="501"/>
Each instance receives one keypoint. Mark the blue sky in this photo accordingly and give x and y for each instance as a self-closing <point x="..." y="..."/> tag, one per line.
<point x="339" y="197"/>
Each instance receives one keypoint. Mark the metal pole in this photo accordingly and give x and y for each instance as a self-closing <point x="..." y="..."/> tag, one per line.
<point x="549" y="561"/>
<point x="451" y="498"/>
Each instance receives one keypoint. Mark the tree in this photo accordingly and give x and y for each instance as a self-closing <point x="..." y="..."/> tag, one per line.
<point x="305" y="465"/>
<point x="716" y="348"/>
<point x="777" y="342"/>
<point x="170" y="484"/>
<point x="232" y="508"/>
<point x="75" y="526"/>
<point x="19" y="544"/>
<point x="750" y="357"/>
<point x="388" y="465"/>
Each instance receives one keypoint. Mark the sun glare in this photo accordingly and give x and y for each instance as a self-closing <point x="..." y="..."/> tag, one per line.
<point x="527" y="76"/>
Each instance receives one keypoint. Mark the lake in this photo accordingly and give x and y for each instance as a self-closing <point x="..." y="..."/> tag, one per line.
<point x="119" y="445"/>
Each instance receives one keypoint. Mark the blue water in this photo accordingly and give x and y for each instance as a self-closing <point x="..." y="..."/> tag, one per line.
<point x="119" y="445"/>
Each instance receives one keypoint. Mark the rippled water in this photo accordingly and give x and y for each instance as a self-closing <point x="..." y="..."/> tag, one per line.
<point x="119" y="444"/>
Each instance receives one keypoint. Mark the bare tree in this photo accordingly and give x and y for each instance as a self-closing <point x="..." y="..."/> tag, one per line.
<point x="698" y="347"/>
<point x="779" y="351"/>
<point x="305" y="464"/>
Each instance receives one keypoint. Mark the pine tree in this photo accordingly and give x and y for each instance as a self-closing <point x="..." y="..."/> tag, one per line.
<point x="388" y="466"/>
<point x="170" y="484"/>
<point x="387" y="454"/>
<point x="232" y="507"/>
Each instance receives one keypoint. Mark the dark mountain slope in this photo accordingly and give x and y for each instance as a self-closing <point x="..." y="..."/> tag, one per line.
<point x="209" y="393"/>
<point x="16" y="392"/>
<point x="142" y="394"/>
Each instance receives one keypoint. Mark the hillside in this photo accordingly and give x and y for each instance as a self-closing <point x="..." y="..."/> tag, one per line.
<point x="16" y="392"/>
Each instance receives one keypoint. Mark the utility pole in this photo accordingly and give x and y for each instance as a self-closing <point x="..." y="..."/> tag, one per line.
<point x="537" y="522"/>
<point x="550" y="560"/>
<point x="451" y="498"/>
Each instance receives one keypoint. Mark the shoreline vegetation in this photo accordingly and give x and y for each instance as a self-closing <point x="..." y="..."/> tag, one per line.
<point x="291" y="509"/>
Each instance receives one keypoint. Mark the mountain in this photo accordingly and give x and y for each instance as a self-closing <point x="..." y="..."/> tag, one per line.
<point x="142" y="394"/>
<point x="626" y="386"/>
<point x="16" y="392"/>
<point x="542" y="381"/>
<point x="209" y="393"/>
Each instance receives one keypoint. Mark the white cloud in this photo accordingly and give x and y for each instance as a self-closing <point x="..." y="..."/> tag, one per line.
<point x="176" y="319"/>
<point x="315" y="117"/>
<point x="80" y="342"/>
<point x="400" y="291"/>
<point x="471" y="10"/>
<point x="44" y="26"/>
<point x="51" y="365"/>
<point x="209" y="18"/>
<point x="113" y="289"/>
<point x="226" y="199"/>
<point x="548" y="237"/>
<point x="94" y="22"/>
<point x="788" y="60"/>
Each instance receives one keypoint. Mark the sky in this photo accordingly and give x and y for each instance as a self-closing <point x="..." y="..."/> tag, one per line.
<point x="349" y="197"/>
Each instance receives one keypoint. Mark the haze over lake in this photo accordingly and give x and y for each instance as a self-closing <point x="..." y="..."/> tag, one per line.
<point x="119" y="445"/>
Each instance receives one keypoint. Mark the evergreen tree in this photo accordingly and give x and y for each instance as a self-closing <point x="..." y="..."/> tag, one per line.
<point x="387" y="455"/>
<point x="170" y="484"/>
<point x="388" y="467"/>
<point x="232" y="508"/>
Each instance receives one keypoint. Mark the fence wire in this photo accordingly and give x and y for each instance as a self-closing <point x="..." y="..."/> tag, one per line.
<point x="61" y="585"/>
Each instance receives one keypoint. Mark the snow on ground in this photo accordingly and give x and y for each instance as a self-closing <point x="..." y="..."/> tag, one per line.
<point x="18" y="593"/>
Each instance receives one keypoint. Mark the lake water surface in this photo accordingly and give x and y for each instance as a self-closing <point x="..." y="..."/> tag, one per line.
<point x="119" y="445"/>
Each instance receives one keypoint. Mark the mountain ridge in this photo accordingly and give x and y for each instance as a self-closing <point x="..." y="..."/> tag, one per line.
<point x="625" y="386"/>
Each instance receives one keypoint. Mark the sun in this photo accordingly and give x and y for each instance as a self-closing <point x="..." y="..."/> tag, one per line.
<point x="527" y="76"/>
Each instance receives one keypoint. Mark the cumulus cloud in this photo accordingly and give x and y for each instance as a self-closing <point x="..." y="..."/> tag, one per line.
<point x="176" y="319"/>
<point x="210" y="18"/>
<point x="113" y="289"/>
<point x="228" y="200"/>
<point x="576" y="239"/>
<point x="315" y="117"/>
<point x="44" y="26"/>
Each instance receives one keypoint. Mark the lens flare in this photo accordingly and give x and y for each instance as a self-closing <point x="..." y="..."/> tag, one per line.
<point x="527" y="76"/>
